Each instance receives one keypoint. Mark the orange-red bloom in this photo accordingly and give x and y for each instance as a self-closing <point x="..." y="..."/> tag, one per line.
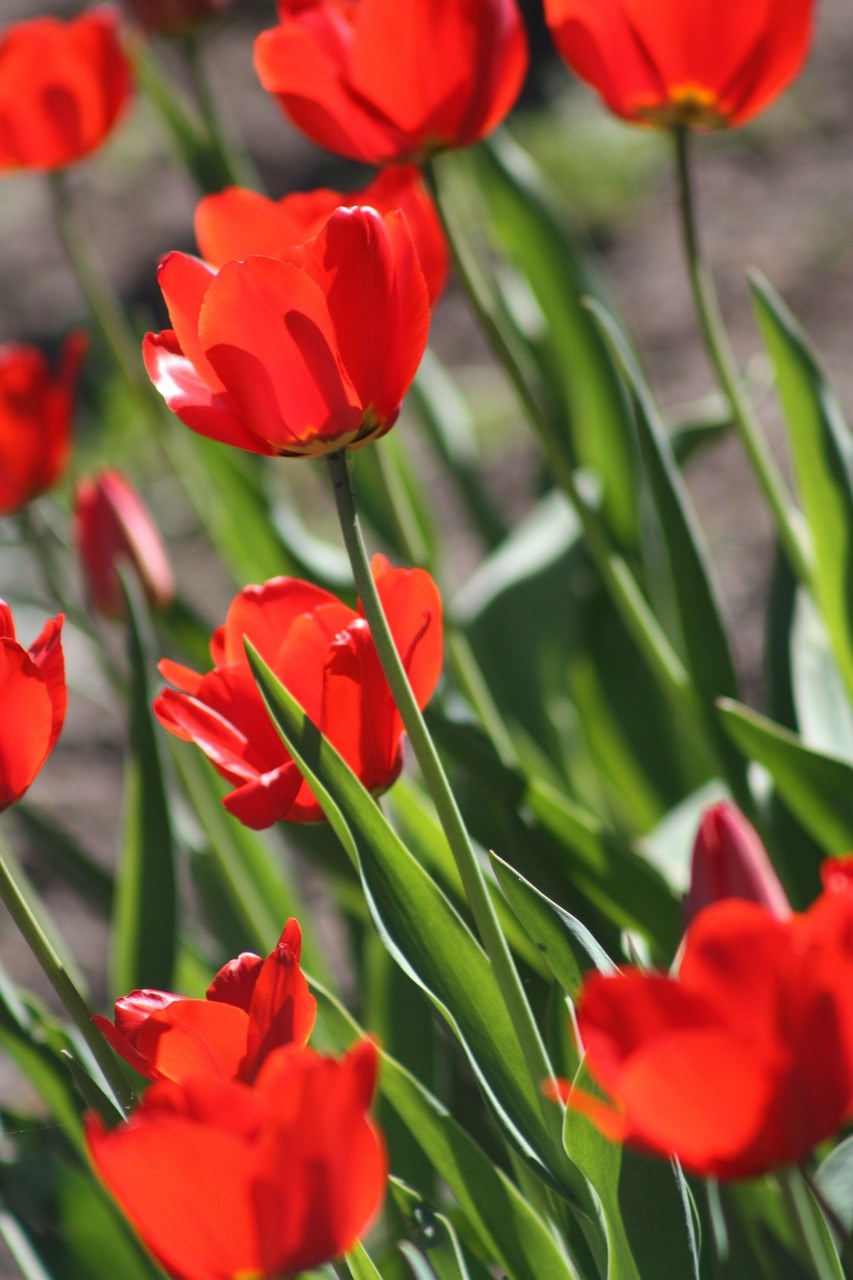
<point x="729" y="861"/>
<point x="237" y="223"/>
<point x="297" y="358"/>
<point x="743" y="1062"/>
<point x="223" y="1180"/>
<point x="33" y="698"/>
<point x="253" y="1006"/>
<point x="112" y="527"/>
<point x="703" y="64"/>
<point x="391" y="80"/>
<point x="323" y="652"/>
<point x="36" y="407"/>
<point x="63" y="88"/>
<point x="174" y="17"/>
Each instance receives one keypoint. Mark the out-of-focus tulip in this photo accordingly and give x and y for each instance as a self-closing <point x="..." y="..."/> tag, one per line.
<point x="323" y="652"/>
<point x="36" y="408"/>
<point x="174" y="17"/>
<point x="113" y="527"/>
<point x="253" y="1006"/>
<point x="743" y="1062"/>
<point x="699" y="64"/>
<point x="223" y="1180"/>
<point x="33" y="698"/>
<point x="295" y="358"/>
<point x="729" y="861"/>
<point x="63" y="88"/>
<point x="237" y="223"/>
<point x="394" y="80"/>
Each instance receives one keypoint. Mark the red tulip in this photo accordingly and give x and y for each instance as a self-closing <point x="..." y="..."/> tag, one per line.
<point x="35" y="419"/>
<point x="236" y="223"/>
<point x="702" y="64"/>
<point x="296" y="358"/>
<point x="741" y="1063"/>
<point x="174" y="17"/>
<point x="223" y="1181"/>
<point x="392" y="80"/>
<point x="33" y="698"/>
<point x="323" y="652"/>
<point x="252" y="1007"/>
<point x="63" y="88"/>
<point x="729" y="861"/>
<point x="112" y="527"/>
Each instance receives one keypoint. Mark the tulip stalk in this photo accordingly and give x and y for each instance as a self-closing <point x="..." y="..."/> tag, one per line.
<point x="237" y="169"/>
<point x="476" y="891"/>
<point x="58" y="977"/>
<point x="725" y="367"/>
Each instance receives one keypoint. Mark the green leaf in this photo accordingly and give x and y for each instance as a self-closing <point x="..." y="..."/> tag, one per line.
<point x="822" y="451"/>
<point x="536" y="232"/>
<point x="816" y="787"/>
<point x="507" y="1226"/>
<point x="835" y="1181"/>
<point x="566" y="945"/>
<point x="645" y="1203"/>
<point x="418" y="924"/>
<point x="99" y="1242"/>
<point x="823" y="708"/>
<point x="146" y="908"/>
<point x="361" y="1265"/>
<point x="22" y="1249"/>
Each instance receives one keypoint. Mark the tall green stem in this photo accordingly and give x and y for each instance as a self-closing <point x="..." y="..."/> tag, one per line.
<point x="811" y="1230"/>
<point x="56" y="973"/>
<point x="726" y="369"/>
<point x="622" y="586"/>
<point x="236" y="168"/>
<point x="476" y="891"/>
<point x="106" y="308"/>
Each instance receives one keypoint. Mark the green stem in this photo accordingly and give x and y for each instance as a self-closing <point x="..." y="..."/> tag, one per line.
<point x="106" y="308"/>
<point x="622" y="586"/>
<point x="473" y="881"/>
<point x="236" y="169"/>
<point x="725" y="366"/>
<point x="811" y="1229"/>
<point x="34" y="537"/>
<point x="56" y="973"/>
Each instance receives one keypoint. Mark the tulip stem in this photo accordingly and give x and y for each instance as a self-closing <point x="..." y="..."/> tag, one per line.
<point x="104" y="304"/>
<point x="236" y="171"/>
<point x="810" y="1226"/>
<point x="725" y="367"/>
<point x="76" y="1006"/>
<point x="618" y="578"/>
<point x="476" y="890"/>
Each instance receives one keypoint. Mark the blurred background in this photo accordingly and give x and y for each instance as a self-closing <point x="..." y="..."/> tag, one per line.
<point x="778" y="196"/>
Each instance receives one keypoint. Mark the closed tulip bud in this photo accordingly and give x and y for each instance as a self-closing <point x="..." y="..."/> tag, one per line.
<point x="36" y="407"/>
<point x="729" y="861"/>
<point x="63" y="88"/>
<point x="174" y="17"/>
<point x="113" y="527"/>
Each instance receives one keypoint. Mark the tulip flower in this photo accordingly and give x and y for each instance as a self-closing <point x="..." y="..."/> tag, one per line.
<point x="394" y="80"/>
<point x="113" y="527"/>
<point x="697" y="64"/>
<point x="174" y="17"/>
<point x="323" y="652"/>
<point x="33" y="699"/>
<point x="252" y="1007"/>
<point x="296" y="358"/>
<point x="729" y="861"/>
<point x="741" y="1063"/>
<point x="63" y="88"/>
<point x="36" y="407"/>
<point x="236" y="223"/>
<point x="224" y="1181"/>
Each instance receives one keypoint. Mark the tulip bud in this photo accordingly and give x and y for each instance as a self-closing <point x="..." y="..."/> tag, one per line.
<point x="729" y="861"/>
<point x="114" y="527"/>
<point x="174" y="17"/>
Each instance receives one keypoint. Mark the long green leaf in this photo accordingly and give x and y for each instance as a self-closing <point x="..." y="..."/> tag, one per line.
<point x="419" y="925"/>
<point x="822" y="450"/>
<point x="146" y="906"/>
<point x="816" y="787"/>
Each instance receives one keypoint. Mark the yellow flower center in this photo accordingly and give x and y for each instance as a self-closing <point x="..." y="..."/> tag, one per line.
<point x="688" y="106"/>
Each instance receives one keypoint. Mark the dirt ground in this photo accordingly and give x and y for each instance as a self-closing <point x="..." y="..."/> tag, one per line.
<point x="778" y="196"/>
